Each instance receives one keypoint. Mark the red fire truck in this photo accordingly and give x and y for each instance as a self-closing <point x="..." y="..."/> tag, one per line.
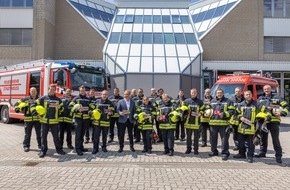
<point x="244" y="81"/>
<point x="16" y="80"/>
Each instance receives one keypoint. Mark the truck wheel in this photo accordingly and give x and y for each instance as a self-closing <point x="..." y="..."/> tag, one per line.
<point x="5" y="118"/>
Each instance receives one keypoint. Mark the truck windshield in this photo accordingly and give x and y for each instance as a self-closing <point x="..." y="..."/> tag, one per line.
<point x="229" y="89"/>
<point x="88" y="79"/>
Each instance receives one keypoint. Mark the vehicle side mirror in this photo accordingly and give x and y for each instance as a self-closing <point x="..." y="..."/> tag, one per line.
<point x="73" y="70"/>
<point x="108" y="81"/>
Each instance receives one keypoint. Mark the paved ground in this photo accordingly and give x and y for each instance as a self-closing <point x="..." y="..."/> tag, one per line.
<point x="112" y="170"/>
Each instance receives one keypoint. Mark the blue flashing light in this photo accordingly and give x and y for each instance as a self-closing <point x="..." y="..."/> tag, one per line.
<point x="69" y="64"/>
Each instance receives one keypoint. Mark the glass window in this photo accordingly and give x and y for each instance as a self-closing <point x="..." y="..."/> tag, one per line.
<point x="184" y="20"/>
<point x="166" y="19"/>
<point x="5" y="3"/>
<point x="267" y="9"/>
<point x="125" y="37"/>
<point x="115" y="37"/>
<point x="35" y="81"/>
<point x="138" y="19"/>
<point x="190" y="38"/>
<point x="147" y="19"/>
<point x="16" y="37"/>
<point x="278" y="9"/>
<point x="168" y="38"/>
<point x="179" y="38"/>
<point x="29" y="3"/>
<point x="287" y="14"/>
<point x="200" y="17"/>
<point x="194" y="17"/>
<point x="129" y="18"/>
<point x="219" y="11"/>
<point x="119" y="19"/>
<point x="136" y="38"/>
<point x="156" y="19"/>
<point x="209" y="14"/>
<point x="276" y="75"/>
<point x="105" y="16"/>
<point x="229" y="6"/>
<point x="286" y="75"/>
<point x="4" y="37"/>
<point x="268" y="44"/>
<point x="27" y="37"/>
<point x="104" y="32"/>
<point x="158" y="38"/>
<point x="18" y="3"/>
<point x="147" y="38"/>
<point x="175" y="19"/>
<point x="96" y="14"/>
<point x="86" y="11"/>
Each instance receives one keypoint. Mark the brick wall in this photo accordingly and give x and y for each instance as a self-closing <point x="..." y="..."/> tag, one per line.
<point x="75" y="38"/>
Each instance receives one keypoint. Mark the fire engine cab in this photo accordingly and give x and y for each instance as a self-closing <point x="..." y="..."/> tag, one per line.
<point x="244" y="81"/>
<point x="16" y="80"/>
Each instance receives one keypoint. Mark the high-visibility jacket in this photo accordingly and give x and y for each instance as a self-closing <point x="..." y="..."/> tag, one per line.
<point x="50" y="104"/>
<point x="222" y="111"/>
<point x="115" y="99"/>
<point x="206" y="101"/>
<point x="93" y="101"/>
<point x="249" y="110"/>
<point x="274" y="102"/>
<point x="86" y="106"/>
<point x="236" y="101"/>
<point x="150" y="112"/>
<point x="195" y="109"/>
<point x="163" y="117"/>
<point x="104" y="107"/>
<point x="28" y="117"/>
<point x="66" y="115"/>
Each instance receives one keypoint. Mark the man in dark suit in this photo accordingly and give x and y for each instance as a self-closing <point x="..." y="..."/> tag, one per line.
<point x="126" y="108"/>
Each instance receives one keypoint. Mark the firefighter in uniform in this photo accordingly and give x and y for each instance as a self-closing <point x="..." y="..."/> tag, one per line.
<point x="115" y="98"/>
<point x="30" y="120"/>
<point x="102" y="113"/>
<point x="222" y="109"/>
<point x="234" y="121"/>
<point x="204" y="121"/>
<point x="65" y="120"/>
<point x="180" y="124"/>
<point x="158" y="100"/>
<point x="192" y="123"/>
<point x="80" y="107"/>
<point x="145" y="115"/>
<point x="167" y="117"/>
<point x="138" y="101"/>
<point x="247" y="111"/>
<point x="278" y="108"/>
<point x="49" y="108"/>
<point x="93" y="99"/>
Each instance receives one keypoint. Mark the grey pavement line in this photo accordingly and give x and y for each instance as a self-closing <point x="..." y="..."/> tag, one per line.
<point x="85" y="164"/>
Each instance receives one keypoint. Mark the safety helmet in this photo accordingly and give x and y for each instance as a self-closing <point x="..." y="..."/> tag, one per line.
<point x="174" y="116"/>
<point x="40" y="110"/>
<point x="97" y="114"/>
<point x="261" y="115"/>
<point x="22" y="105"/>
<point x="141" y="117"/>
<point x="208" y="112"/>
<point x="184" y="108"/>
<point x="76" y="107"/>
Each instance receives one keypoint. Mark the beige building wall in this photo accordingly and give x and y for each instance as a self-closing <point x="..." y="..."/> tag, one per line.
<point x="43" y="29"/>
<point x="75" y="38"/>
<point x="10" y="55"/>
<point x="238" y="36"/>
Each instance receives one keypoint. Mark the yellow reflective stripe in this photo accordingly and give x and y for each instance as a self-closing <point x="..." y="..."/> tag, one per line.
<point x="218" y="122"/>
<point x="283" y="103"/>
<point x="167" y="126"/>
<point x="191" y="126"/>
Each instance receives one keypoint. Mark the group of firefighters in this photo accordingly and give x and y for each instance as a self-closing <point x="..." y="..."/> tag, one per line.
<point x="250" y="121"/>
